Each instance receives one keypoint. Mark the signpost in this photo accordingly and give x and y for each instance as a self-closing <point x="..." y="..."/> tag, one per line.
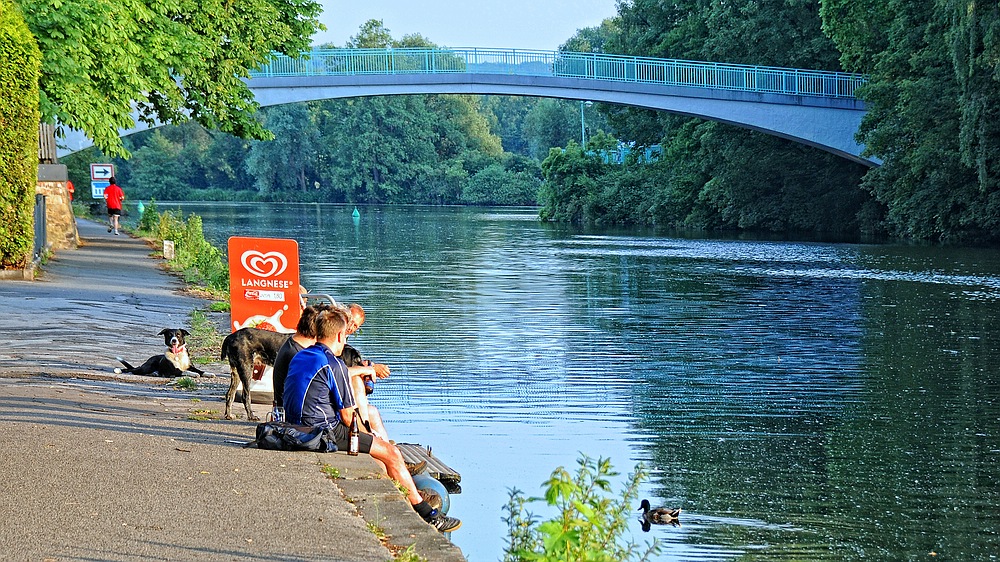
<point x="264" y="283"/>
<point x="102" y="172"/>
<point x="100" y="176"/>
<point x="97" y="189"/>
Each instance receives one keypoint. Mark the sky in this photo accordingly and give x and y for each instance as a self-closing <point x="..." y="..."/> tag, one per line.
<point x="521" y="24"/>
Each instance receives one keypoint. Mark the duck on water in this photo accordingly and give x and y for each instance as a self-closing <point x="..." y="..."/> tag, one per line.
<point x="658" y="516"/>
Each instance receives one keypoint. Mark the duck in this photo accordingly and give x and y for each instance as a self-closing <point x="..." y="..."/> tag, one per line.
<point x="659" y="515"/>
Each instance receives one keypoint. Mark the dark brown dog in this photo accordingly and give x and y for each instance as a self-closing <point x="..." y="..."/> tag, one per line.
<point x="170" y="364"/>
<point x="241" y="348"/>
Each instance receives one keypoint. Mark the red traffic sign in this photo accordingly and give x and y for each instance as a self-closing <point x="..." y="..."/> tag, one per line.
<point x="102" y="172"/>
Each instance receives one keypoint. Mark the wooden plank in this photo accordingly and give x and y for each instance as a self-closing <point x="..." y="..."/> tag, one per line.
<point x="414" y="453"/>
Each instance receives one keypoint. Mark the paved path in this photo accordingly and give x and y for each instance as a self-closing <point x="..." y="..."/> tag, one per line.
<point x="97" y="466"/>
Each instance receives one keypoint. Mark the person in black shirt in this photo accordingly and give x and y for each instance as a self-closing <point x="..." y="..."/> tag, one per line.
<point x="304" y="336"/>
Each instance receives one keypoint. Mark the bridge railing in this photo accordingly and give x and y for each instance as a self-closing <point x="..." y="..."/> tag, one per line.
<point x="594" y="66"/>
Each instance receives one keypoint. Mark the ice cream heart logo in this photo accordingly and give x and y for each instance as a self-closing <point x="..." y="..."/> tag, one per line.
<point x="264" y="265"/>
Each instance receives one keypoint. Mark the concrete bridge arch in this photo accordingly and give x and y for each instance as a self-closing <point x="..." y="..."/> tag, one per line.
<point x="811" y="107"/>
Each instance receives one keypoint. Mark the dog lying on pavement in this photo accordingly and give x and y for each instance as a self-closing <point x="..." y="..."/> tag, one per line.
<point x="241" y="347"/>
<point x="171" y="363"/>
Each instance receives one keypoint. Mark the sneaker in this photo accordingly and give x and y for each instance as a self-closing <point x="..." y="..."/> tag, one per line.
<point x="432" y="498"/>
<point x="110" y="228"/>
<point x="416" y="468"/>
<point x="444" y="523"/>
<point x="116" y="233"/>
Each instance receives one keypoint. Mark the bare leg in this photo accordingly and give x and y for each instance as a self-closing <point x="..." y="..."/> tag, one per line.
<point x="368" y="412"/>
<point x="375" y="417"/>
<point x="389" y="455"/>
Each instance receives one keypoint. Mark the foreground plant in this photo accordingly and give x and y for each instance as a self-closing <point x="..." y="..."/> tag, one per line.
<point x="186" y="383"/>
<point x="590" y="525"/>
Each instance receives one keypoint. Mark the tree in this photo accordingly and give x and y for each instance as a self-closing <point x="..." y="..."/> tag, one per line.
<point x="288" y="161"/>
<point x="507" y="120"/>
<point x="933" y="109"/>
<point x="570" y="184"/>
<point x="551" y="123"/>
<point x="372" y="35"/>
<point x="169" y="61"/>
<point x="702" y="179"/>
<point x="376" y="148"/>
<point x="592" y="39"/>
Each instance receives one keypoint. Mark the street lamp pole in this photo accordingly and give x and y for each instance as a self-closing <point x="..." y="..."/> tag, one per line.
<point x="583" y="124"/>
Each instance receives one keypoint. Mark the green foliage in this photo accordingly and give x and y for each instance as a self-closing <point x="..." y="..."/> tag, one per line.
<point x="592" y="39"/>
<point x="372" y="35"/>
<point x="589" y="525"/>
<point x="157" y="168"/>
<point x="712" y="176"/>
<point x="171" y="60"/>
<point x="288" y="161"/>
<point x="551" y="123"/>
<point x="19" y="115"/>
<point x="934" y="104"/>
<point x="196" y="258"/>
<point x="150" y="218"/>
<point x="495" y="185"/>
<point x="570" y="184"/>
<point x="205" y="338"/>
<point x="186" y="383"/>
<point x="410" y="555"/>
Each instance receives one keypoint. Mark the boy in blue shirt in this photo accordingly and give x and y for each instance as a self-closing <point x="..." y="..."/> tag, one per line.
<point x="318" y="393"/>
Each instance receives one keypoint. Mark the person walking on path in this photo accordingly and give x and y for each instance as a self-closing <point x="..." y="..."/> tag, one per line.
<point x="114" y="195"/>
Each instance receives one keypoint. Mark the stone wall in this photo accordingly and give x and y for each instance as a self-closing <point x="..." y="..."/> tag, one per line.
<point x="60" y="224"/>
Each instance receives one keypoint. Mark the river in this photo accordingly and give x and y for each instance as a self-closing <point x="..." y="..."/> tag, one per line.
<point x="799" y="401"/>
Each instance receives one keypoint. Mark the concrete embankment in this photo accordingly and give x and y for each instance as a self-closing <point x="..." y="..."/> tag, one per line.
<point x="98" y="466"/>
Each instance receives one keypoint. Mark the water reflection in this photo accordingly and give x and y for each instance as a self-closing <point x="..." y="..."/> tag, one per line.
<point x="798" y="401"/>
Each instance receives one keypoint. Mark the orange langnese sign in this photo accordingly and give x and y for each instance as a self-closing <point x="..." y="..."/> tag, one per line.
<point x="264" y="283"/>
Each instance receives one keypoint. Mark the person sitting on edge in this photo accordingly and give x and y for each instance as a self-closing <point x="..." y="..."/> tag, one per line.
<point x="363" y="373"/>
<point x="360" y="371"/>
<point x="317" y="393"/>
<point x="304" y="336"/>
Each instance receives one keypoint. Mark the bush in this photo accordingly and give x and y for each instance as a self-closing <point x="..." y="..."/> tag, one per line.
<point x="589" y="525"/>
<point x="20" y="63"/>
<point x="150" y="218"/>
<point x="195" y="257"/>
<point x="494" y="185"/>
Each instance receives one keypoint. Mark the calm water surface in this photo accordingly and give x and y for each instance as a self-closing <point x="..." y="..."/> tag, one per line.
<point x="798" y="401"/>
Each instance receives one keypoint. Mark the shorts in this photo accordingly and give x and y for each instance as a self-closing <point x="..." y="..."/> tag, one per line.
<point x="342" y="434"/>
<point x="114" y="211"/>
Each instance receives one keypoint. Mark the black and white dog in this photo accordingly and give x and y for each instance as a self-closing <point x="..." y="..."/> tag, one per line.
<point x="241" y="348"/>
<point x="171" y="364"/>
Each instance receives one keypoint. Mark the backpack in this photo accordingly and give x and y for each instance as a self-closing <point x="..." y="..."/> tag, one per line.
<point x="282" y="436"/>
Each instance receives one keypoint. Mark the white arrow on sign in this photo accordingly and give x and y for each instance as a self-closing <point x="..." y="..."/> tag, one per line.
<point x="101" y="171"/>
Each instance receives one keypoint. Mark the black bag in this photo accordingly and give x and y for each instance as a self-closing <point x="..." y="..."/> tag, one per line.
<point x="282" y="436"/>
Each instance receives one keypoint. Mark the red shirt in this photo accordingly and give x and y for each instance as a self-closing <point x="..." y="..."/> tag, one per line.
<point x="114" y="196"/>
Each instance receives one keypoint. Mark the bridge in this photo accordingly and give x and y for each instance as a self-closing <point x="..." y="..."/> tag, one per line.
<point x="816" y="108"/>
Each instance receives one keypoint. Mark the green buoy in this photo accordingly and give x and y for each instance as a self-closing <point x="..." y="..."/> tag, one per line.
<point x="356" y="214"/>
<point x="142" y="208"/>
